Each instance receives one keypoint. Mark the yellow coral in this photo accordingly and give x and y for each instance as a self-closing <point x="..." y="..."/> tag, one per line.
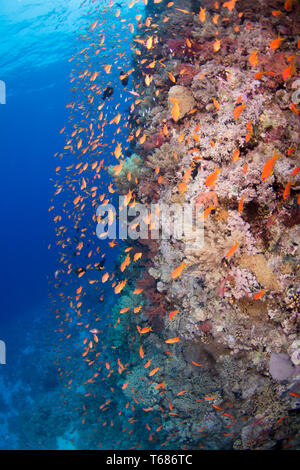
<point x="258" y="264"/>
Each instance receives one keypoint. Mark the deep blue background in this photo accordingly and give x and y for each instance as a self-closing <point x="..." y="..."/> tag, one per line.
<point x="29" y="125"/>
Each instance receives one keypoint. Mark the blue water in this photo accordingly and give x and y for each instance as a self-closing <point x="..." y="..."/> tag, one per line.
<point x="35" y="69"/>
<point x="37" y="40"/>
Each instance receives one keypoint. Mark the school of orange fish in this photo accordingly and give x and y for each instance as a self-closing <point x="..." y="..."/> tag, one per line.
<point x="120" y="351"/>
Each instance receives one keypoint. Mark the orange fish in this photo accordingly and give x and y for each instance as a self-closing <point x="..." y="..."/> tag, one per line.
<point x="216" y="104"/>
<point x="215" y="19"/>
<point x="287" y="190"/>
<point x="182" y="187"/>
<point x="120" y="286"/>
<point x="153" y="371"/>
<point x="276" y="13"/>
<point x="202" y="14"/>
<point x="217" y="45"/>
<point x="211" y="179"/>
<point x="238" y="111"/>
<point x="293" y="108"/>
<point x="240" y="207"/>
<point x="137" y="256"/>
<point x="253" y="59"/>
<point x="288" y="72"/>
<point x="218" y="408"/>
<point x="142" y="331"/>
<point x="259" y="294"/>
<point x="93" y="25"/>
<point x="124" y="310"/>
<point x="206" y="212"/>
<point x="176" y="273"/>
<point x="275" y="44"/>
<point x="161" y="385"/>
<point x="172" y="340"/>
<point x="148" y="79"/>
<point x="172" y="78"/>
<point x="137" y="291"/>
<point x="230" y="5"/>
<point x="288" y="4"/>
<point x="175" y="111"/>
<point x="149" y="42"/>
<point x="235" y="155"/>
<point x="172" y="314"/>
<point x="258" y="75"/>
<point x="147" y="364"/>
<point x="107" y="68"/>
<point x="295" y="171"/>
<point x="269" y="166"/>
<point x="232" y="250"/>
<point x="125" y="263"/>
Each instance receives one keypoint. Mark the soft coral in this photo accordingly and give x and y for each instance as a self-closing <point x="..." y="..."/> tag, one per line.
<point x="157" y="308"/>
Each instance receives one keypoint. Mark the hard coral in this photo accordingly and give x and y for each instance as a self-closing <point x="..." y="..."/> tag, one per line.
<point x="207" y="199"/>
<point x="165" y="160"/>
<point x="183" y="97"/>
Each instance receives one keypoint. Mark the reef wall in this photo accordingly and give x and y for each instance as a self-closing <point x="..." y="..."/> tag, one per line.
<point x="217" y="123"/>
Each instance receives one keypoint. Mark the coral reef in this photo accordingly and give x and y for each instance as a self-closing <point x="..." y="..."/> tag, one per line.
<point x="223" y="134"/>
<point x="183" y="97"/>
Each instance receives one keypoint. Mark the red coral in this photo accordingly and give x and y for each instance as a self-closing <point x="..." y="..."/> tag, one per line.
<point x="155" y="316"/>
<point x="275" y="133"/>
<point x="146" y="282"/>
<point x="157" y="309"/>
<point x="274" y="65"/>
<point x="152" y="250"/>
<point x="179" y="48"/>
<point x="149" y="188"/>
<point x="153" y="141"/>
<point x="186" y="74"/>
<point x="206" y="326"/>
<point x="292" y="218"/>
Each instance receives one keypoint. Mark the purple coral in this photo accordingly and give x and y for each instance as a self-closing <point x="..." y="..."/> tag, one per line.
<point x="280" y="367"/>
